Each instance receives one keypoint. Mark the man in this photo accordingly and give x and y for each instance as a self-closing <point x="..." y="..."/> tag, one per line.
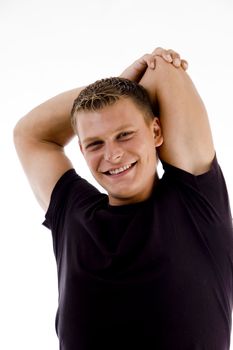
<point x="149" y="265"/>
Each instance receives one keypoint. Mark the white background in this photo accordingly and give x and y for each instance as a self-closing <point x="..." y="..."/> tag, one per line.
<point x="49" y="46"/>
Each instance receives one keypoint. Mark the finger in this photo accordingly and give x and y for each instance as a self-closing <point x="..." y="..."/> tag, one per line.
<point x="176" y="61"/>
<point x="171" y="56"/>
<point x="184" y="64"/>
<point x="149" y="60"/>
<point x="167" y="56"/>
<point x="159" y="51"/>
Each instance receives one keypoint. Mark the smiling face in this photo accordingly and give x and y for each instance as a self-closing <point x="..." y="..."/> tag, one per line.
<point x="119" y="148"/>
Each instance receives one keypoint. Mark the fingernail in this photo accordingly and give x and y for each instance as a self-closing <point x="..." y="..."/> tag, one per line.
<point x="169" y="58"/>
<point x="176" y="62"/>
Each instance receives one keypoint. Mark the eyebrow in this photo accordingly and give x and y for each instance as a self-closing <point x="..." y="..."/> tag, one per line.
<point x="95" y="138"/>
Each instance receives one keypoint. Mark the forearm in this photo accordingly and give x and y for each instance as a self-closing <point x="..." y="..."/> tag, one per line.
<point x="184" y="120"/>
<point x="172" y="89"/>
<point x="50" y="121"/>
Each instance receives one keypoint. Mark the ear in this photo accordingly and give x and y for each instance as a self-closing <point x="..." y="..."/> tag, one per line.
<point x="157" y="131"/>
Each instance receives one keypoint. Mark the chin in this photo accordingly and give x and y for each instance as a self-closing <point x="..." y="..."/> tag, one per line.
<point x="125" y="195"/>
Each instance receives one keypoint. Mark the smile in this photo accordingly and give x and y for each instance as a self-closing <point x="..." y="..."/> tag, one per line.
<point x="119" y="170"/>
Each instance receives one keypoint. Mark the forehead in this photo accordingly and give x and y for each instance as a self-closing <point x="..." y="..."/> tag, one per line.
<point x="110" y="119"/>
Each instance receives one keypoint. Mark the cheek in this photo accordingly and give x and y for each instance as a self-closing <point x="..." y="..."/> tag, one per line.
<point x="149" y="155"/>
<point x="93" y="161"/>
<point x="146" y="147"/>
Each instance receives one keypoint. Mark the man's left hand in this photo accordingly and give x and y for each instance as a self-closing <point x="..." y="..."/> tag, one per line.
<point x="136" y="70"/>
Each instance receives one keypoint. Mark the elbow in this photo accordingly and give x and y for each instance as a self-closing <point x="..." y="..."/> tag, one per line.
<point x="19" y="131"/>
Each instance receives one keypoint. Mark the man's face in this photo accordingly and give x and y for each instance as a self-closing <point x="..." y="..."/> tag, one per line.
<point x="119" y="148"/>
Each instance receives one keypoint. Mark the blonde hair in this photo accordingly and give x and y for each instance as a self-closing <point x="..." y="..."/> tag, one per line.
<point x="106" y="92"/>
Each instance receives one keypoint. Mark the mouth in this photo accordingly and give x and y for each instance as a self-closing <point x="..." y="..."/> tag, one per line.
<point x="121" y="170"/>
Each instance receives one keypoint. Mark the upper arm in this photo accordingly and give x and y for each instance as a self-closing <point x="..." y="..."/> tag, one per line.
<point x="44" y="163"/>
<point x="40" y="138"/>
<point x="186" y="131"/>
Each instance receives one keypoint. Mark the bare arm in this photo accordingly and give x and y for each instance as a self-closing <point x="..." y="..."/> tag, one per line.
<point x="40" y="137"/>
<point x="187" y="136"/>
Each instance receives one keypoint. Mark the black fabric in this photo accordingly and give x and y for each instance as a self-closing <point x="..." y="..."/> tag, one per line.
<point x="151" y="275"/>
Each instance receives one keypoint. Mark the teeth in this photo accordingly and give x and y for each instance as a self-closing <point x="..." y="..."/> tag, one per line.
<point x="119" y="170"/>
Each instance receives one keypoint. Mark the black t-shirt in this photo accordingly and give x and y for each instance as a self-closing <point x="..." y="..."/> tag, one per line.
<point x="151" y="275"/>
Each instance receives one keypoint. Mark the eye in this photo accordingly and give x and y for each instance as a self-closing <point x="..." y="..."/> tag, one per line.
<point x="94" y="145"/>
<point x="125" y="135"/>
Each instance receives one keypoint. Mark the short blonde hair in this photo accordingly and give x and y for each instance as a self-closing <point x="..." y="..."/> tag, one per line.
<point x="106" y="92"/>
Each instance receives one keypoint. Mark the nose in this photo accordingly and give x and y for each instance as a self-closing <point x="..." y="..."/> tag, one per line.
<point x="113" y="153"/>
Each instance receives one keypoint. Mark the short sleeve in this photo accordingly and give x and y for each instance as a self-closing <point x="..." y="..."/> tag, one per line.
<point x="70" y="188"/>
<point x="210" y="186"/>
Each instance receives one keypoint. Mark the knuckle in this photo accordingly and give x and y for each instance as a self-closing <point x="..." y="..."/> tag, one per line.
<point x="158" y="50"/>
<point x="174" y="53"/>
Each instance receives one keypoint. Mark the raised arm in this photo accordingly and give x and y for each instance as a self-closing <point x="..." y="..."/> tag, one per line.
<point x="187" y="136"/>
<point x="40" y="138"/>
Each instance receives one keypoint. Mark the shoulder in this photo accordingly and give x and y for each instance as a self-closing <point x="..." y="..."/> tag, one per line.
<point x="207" y="191"/>
<point x="180" y="174"/>
<point x="70" y="191"/>
<point x="207" y="180"/>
